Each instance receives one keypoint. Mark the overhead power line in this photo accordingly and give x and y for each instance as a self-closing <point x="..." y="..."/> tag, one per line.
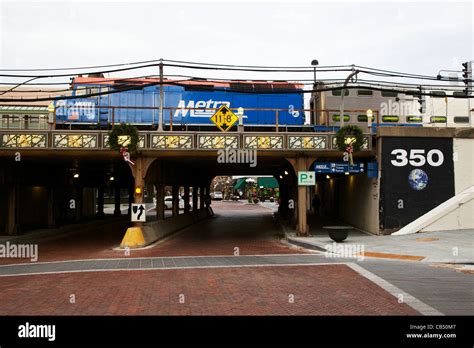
<point x="85" y="67"/>
<point x="414" y="92"/>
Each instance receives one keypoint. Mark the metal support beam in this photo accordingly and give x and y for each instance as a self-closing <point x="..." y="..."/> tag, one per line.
<point x="160" y="202"/>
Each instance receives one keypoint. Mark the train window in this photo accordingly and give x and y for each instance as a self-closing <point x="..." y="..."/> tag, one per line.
<point x="12" y="121"/>
<point x="4" y="121"/>
<point x="414" y="119"/>
<point x="439" y="119"/>
<point x="81" y="90"/>
<point x="337" y="92"/>
<point x="459" y="94"/>
<point x="37" y="122"/>
<point x="390" y="118"/>
<point x="336" y="118"/>
<point x="438" y="94"/>
<point x="199" y="88"/>
<point x="362" y="118"/>
<point x="93" y="90"/>
<point x="389" y="94"/>
<point x="364" y="92"/>
<point x="461" y="119"/>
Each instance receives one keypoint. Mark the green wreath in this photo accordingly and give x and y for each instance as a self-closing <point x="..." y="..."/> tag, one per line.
<point x="352" y="131"/>
<point x="124" y="129"/>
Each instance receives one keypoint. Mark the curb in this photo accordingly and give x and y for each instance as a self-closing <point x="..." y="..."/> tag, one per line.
<point x="304" y="244"/>
<point x="290" y="239"/>
<point x="47" y="234"/>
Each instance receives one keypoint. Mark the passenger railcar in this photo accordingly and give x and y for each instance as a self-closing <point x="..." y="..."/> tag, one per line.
<point x="390" y="108"/>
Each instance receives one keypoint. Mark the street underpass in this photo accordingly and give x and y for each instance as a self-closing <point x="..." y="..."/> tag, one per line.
<point x="102" y="190"/>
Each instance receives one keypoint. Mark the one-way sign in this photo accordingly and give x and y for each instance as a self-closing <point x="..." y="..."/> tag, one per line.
<point x="138" y="213"/>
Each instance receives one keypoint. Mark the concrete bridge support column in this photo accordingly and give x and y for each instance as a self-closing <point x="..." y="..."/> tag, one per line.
<point x="100" y="201"/>
<point x="130" y="200"/>
<point x="79" y="199"/>
<point x="12" y="211"/>
<point x="195" y="198"/>
<point x="206" y="196"/>
<point x="201" y="197"/>
<point x="283" y="207"/>
<point x="50" y="218"/>
<point x="301" y="164"/>
<point x="160" y="201"/>
<point x="175" y="202"/>
<point x="134" y="236"/>
<point x="117" y="211"/>
<point x="186" y="199"/>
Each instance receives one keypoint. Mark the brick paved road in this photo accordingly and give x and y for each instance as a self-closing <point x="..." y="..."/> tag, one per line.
<point x="249" y="227"/>
<point x="222" y="291"/>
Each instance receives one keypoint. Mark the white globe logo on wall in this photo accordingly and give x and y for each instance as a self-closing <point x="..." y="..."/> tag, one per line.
<point x="418" y="179"/>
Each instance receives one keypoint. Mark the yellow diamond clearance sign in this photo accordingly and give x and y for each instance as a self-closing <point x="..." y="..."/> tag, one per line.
<point x="224" y="118"/>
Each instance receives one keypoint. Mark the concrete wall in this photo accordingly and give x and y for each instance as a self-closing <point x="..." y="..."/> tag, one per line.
<point x="354" y="200"/>
<point x="157" y="230"/>
<point x="459" y="219"/>
<point x="462" y="217"/>
<point x="463" y="150"/>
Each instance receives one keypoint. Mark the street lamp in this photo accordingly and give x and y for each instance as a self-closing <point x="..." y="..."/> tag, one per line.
<point x="369" y="118"/>
<point x="343" y="92"/>
<point x="314" y="62"/>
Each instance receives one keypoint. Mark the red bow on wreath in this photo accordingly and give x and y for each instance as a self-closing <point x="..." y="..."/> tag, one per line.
<point x="126" y="155"/>
<point x="350" y="150"/>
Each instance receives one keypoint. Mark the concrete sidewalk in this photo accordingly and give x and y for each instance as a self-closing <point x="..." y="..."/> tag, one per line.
<point x="436" y="247"/>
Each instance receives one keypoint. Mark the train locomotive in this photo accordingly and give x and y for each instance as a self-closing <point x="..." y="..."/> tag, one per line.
<point x="187" y="105"/>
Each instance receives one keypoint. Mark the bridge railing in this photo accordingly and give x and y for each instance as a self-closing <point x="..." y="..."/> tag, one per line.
<point x="163" y="141"/>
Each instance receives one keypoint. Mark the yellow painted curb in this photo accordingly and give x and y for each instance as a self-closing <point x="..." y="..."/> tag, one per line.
<point x="391" y="256"/>
<point x="133" y="238"/>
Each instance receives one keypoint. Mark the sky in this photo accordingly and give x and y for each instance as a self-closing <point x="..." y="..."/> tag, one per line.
<point x="416" y="37"/>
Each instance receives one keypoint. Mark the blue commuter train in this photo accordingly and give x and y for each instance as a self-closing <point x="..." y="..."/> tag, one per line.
<point x="189" y="103"/>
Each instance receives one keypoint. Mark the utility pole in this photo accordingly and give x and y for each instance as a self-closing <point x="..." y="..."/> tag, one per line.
<point x="160" y="120"/>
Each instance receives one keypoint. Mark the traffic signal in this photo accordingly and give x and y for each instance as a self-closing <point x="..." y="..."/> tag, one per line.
<point x="467" y="76"/>
<point x="422" y="101"/>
